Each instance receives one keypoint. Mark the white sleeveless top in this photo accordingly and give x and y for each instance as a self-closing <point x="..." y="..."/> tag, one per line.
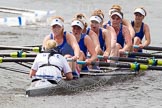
<point x="50" y="72"/>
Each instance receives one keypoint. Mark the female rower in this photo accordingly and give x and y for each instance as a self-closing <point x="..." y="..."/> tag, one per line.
<point x="141" y="29"/>
<point x="50" y="64"/>
<point x="124" y="21"/>
<point x="104" y="35"/>
<point x="85" y="42"/>
<point x="124" y="41"/>
<point x="89" y="32"/>
<point x="67" y="43"/>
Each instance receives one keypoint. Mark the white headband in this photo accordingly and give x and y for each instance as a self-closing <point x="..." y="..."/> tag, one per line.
<point x="77" y="23"/>
<point x="96" y="18"/>
<point x="117" y="13"/>
<point x="110" y="11"/>
<point x="141" y="11"/>
<point x="58" y="22"/>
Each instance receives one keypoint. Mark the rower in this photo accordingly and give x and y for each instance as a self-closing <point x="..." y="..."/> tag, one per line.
<point x="89" y="32"/>
<point x="49" y="65"/>
<point x="124" y="41"/>
<point x="85" y="43"/>
<point x="104" y="35"/>
<point x="141" y="29"/>
<point x="67" y="43"/>
<point x="125" y="22"/>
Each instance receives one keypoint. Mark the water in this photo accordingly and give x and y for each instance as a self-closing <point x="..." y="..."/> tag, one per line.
<point x="141" y="92"/>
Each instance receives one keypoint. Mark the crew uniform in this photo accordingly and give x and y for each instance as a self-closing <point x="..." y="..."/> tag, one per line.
<point x="64" y="48"/>
<point x="50" y="66"/>
<point x="139" y="34"/>
<point x="100" y="38"/>
<point x="120" y="38"/>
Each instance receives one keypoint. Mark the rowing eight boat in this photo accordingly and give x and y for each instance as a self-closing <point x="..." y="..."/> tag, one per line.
<point x="89" y="80"/>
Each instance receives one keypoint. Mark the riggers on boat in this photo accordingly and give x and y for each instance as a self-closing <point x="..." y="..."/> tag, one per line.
<point x="88" y="81"/>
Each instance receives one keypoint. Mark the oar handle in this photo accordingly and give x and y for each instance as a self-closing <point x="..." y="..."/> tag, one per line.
<point x="78" y="61"/>
<point x="136" y="46"/>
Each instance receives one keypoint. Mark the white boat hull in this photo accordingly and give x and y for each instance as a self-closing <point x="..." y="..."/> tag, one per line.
<point x="87" y="82"/>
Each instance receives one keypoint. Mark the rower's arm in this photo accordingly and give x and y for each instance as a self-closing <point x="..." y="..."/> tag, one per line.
<point x="128" y="39"/>
<point x="90" y="46"/>
<point x="131" y="29"/>
<point x="73" y="42"/>
<point x="107" y="37"/>
<point x="95" y="40"/>
<point x="147" y="35"/>
<point x="69" y="76"/>
<point x="32" y="73"/>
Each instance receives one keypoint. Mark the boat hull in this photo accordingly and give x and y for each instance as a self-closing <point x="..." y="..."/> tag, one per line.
<point x="85" y="83"/>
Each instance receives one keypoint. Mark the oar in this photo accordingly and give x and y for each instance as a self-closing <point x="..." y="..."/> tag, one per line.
<point x="149" y="48"/>
<point x="153" y="62"/>
<point x="34" y="49"/>
<point x="132" y="66"/>
<point x="16" y="59"/>
<point x="142" y="54"/>
<point x="16" y="9"/>
<point x="29" y="59"/>
<point x="18" y="54"/>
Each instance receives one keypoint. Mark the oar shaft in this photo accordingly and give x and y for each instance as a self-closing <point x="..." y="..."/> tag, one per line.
<point x="142" y="54"/>
<point x="17" y="9"/>
<point x="133" y="66"/>
<point x="35" y="49"/>
<point x="18" y="54"/>
<point x="153" y="62"/>
<point x="124" y="59"/>
<point x="150" y="48"/>
<point x="16" y="59"/>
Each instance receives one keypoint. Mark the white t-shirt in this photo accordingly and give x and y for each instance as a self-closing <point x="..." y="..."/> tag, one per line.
<point x="50" y="72"/>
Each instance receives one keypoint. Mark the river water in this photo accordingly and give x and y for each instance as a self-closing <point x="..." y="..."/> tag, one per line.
<point x="140" y="92"/>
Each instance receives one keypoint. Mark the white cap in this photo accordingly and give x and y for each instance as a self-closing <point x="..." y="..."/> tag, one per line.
<point x="96" y="18"/>
<point x="117" y="13"/>
<point x="57" y="21"/>
<point x="78" y="23"/>
<point x="141" y="11"/>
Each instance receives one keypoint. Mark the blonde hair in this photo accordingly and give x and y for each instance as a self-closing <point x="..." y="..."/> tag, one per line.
<point x="81" y="17"/>
<point x="99" y="13"/>
<point x="58" y="17"/>
<point x="117" y="7"/>
<point x="50" y="44"/>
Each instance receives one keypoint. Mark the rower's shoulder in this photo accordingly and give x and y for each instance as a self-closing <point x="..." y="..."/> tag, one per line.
<point x="146" y="26"/>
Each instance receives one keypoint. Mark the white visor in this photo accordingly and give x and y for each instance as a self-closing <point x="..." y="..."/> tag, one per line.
<point x="110" y="11"/>
<point x="58" y="22"/>
<point x="141" y="11"/>
<point x="77" y="23"/>
<point x="117" y="13"/>
<point x="96" y="18"/>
